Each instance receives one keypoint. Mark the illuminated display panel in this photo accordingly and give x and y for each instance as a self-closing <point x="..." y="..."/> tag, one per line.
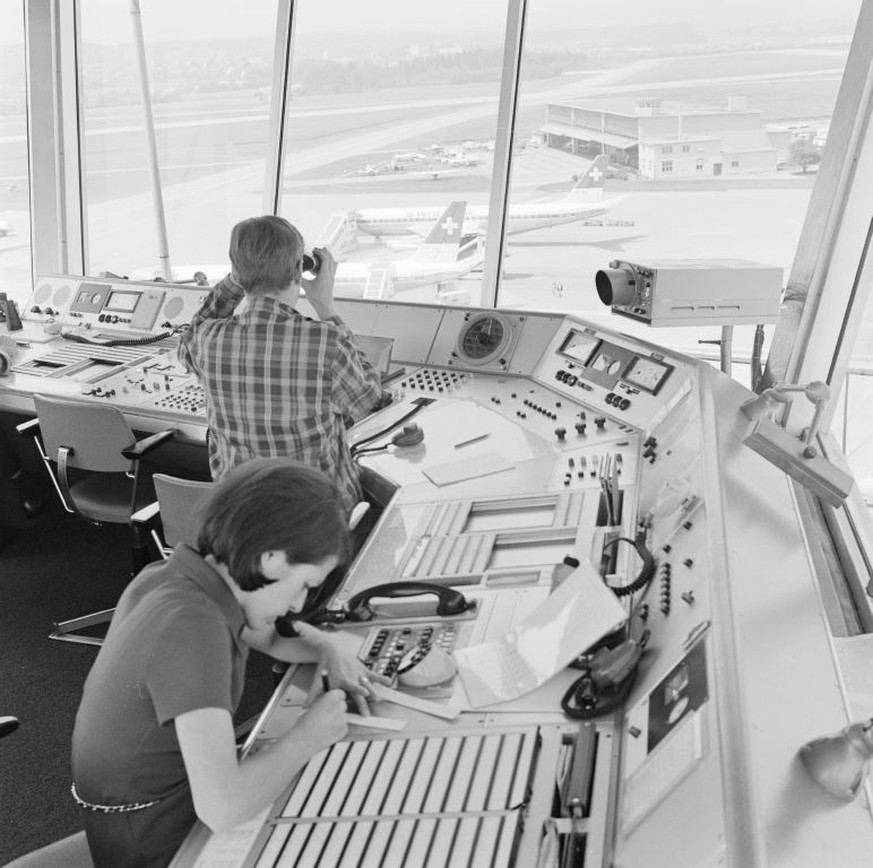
<point x="123" y="302"/>
<point x="579" y="346"/>
<point x="647" y="374"/>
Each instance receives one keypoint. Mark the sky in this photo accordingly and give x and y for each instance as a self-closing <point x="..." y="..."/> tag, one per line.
<point x="197" y="19"/>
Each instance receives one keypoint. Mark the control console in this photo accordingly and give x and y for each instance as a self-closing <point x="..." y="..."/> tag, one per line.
<point x="102" y="309"/>
<point x="621" y="377"/>
<point x="160" y="383"/>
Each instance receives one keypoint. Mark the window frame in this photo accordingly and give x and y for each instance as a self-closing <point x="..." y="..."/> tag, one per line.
<point x="830" y="278"/>
<point x="56" y="171"/>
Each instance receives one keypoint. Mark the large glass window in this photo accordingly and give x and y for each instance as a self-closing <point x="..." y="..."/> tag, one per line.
<point x="707" y="122"/>
<point x="852" y="422"/>
<point x="209" y="69"/>
<point x="390" y="141"/>
<point x="15" y="258"/>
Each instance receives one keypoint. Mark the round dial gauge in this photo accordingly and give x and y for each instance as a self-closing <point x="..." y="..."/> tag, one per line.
<point x="614" y="367"/>
<point x="483" y="338"/>
<point x="95" y="298"/>
<point x="600" y="363"/>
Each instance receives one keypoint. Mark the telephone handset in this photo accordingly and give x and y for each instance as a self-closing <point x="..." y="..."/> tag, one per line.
<point x="450" y="601"/>
<point x="358" y="608"/>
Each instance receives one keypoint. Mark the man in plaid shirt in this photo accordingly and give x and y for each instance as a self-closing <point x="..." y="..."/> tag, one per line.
<point x="278" y="384"/>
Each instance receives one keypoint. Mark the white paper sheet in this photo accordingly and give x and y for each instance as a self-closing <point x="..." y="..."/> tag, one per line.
<point x="468" y="468"/>
<point x="564" y="625"/>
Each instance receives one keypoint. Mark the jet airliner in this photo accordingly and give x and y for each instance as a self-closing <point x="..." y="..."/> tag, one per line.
<point x="441" y="257"/>
<point x="585" y="200"/>
<point x="436" y="261"/>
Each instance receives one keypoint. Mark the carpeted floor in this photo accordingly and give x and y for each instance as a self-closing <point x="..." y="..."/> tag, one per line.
<point x="59" y="568"/>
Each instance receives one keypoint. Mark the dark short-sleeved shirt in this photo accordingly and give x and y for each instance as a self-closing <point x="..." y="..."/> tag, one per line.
<point x="278" y="384"/>
<point x="174" y="645"/>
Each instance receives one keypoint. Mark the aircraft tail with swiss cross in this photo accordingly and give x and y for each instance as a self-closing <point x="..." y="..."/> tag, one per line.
<point x="589" y="187"/>
<point x="443" y="242"/>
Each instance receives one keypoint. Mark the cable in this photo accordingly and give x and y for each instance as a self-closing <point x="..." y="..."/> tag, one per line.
<point x="372" y="449"/>
<point x="608" y="674"/>
<point x="129" y="342"/>
<point x="584" y="699"/>
<point x="649" y="565"/>
<point x="356" y="448"/>
<point x="757" y="371"/>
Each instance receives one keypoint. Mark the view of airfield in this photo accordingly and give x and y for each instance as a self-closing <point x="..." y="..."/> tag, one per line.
<point x="642" y="132"/>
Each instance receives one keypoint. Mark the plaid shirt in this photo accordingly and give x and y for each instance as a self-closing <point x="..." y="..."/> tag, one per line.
<point x="278" y="384"/>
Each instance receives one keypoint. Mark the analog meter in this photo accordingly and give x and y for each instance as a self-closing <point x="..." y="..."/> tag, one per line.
<point x="484" y="337"/>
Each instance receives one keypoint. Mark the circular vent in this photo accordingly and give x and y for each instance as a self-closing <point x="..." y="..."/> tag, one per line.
<point x="484" y="337"/>
<point x="173" y="307"/>
<point x="43" y="291"/>
<point x="62" y="295"/>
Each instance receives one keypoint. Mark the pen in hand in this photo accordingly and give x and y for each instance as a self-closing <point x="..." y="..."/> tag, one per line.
<point x="356" y="704"/>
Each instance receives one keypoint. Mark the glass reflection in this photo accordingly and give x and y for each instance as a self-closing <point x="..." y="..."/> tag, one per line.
<point x="390" y="141"/>
<point x="711" y="121"/>
<point x="15" y="253"/>
<point x="209" y="79"/>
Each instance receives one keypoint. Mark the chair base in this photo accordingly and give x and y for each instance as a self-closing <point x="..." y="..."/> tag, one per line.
<point x="65" y="630"/>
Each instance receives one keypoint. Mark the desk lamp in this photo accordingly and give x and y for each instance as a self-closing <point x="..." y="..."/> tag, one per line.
<point x="797" y="456"/>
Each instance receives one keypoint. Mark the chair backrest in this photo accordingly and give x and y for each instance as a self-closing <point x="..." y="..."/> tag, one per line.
<point x="179" y="501"/>
<point x="96" y="433"/>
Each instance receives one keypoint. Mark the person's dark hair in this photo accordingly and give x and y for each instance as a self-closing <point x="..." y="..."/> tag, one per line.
<point x="266" y="253"/>
<point x="271" y="504"/>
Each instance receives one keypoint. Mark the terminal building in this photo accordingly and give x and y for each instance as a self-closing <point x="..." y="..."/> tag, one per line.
<point x="618" y="559"/>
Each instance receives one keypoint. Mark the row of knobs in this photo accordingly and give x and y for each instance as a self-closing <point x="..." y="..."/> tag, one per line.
<point x="581" y="425"/>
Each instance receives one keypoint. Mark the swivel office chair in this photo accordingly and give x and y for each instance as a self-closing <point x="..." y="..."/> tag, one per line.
<point x="177" y="503"/>
<point x="93" y="460"/>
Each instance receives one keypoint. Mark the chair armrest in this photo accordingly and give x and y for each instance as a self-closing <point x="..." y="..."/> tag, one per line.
<point x="146" y="514"/>
<point x="148" y="444"/>
<point x="361" y="508"/>
<point x="30" y="428"/>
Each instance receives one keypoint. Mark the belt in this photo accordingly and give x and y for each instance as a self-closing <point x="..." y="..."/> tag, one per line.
<point x="110" y="809"/>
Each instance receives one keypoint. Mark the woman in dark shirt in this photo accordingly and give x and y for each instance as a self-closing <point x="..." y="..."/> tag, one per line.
<point x="153" y="747"/>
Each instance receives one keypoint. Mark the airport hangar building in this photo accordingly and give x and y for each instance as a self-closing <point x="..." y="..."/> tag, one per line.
<point x="665" y="139"/>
